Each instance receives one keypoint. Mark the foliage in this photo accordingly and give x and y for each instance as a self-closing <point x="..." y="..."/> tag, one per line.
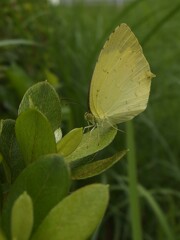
<point x="61" y="44"/>
<point x="38" y="187"/>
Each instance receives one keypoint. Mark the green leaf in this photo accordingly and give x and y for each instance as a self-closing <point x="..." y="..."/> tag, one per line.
<point x="22" y="217"/>
<point x="1" y="199"/>
<point x="19" y="80"/>
<point x="1" y="157"/>
<point x="11" y="42"/>
<point x="43" y="97"/>
<point x="9" y="148"/>
<point x="77" y="216"/>
<point x="2" y="237"/>
<point x="158" y="212"/>
<point x="52" y="78"/>
<point x="46" y="181"/>
<point x="92" y="142"/>
<point x="34" y="135"/>
<point x="69" y="142"/>
<point x="97" y="167"/>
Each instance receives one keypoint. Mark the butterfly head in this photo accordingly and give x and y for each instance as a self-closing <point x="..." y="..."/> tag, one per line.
<point x="96" y="122"/>
<point x="90" y="118"/>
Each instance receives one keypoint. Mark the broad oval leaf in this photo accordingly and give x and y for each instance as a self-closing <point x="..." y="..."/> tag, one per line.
<point x="22" y="217"/>
<point x="47" y="182"/>
<point x="77" y="216"/>
<point x="43" y="97"/>
<point x="35" y="135"/>
<point x="97" y="167"/>
<point x="69" y="142"/>
<point x="92" y="142"/>
<point x="10" y="149"/>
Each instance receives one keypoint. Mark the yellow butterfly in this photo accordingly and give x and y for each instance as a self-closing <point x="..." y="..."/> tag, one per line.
<point x="121" y="80"/>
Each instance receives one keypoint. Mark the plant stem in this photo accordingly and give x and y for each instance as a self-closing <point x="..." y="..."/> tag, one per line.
<point x="133" y="185"/>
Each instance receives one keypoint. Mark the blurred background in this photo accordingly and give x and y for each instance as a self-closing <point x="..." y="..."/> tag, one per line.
<point x="60" y="41"/>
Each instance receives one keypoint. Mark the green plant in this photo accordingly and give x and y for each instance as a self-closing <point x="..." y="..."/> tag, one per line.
<point x="69" y="39"/>
<point x="38" y="165"/>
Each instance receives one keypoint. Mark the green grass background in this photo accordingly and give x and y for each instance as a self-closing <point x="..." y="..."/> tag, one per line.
<point x="61" y="44"/>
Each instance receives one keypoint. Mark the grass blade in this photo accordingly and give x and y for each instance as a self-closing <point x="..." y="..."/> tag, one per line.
<point x="158" y="212"/>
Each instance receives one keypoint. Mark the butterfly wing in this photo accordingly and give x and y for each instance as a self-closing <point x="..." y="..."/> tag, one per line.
<point x="121" y="80"/>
